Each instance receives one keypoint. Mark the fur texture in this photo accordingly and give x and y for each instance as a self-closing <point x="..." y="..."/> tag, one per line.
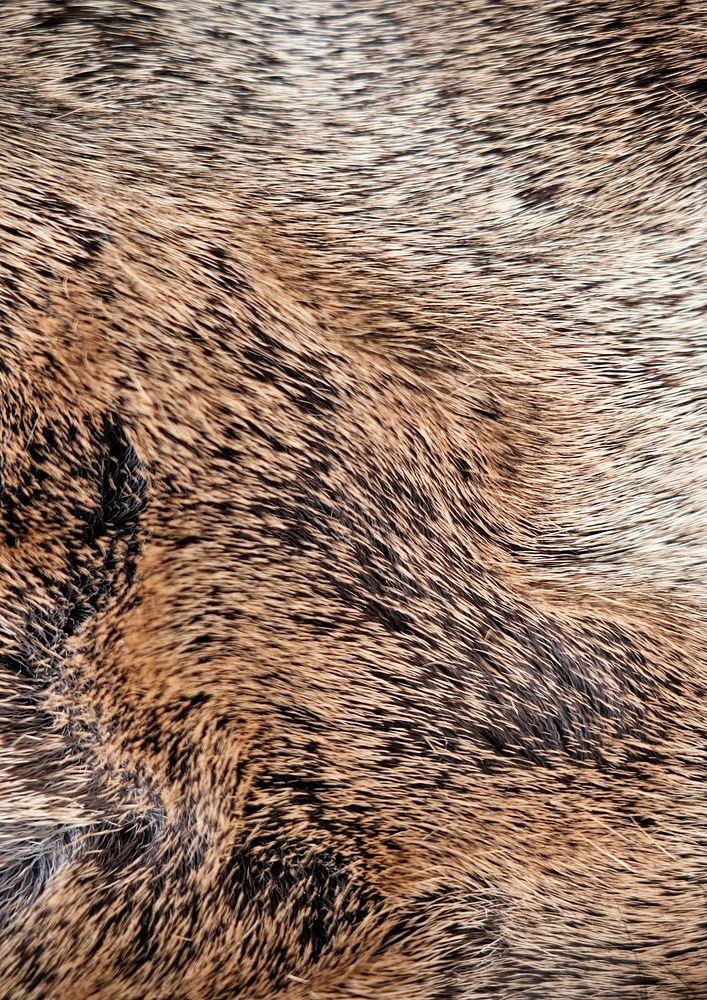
<point x="353" y="362"/>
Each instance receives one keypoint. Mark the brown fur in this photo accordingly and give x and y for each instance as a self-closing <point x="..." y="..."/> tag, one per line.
<point x="354" y="477"/>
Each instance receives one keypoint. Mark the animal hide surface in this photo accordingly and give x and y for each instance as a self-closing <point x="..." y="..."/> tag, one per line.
<point x="353" y="500"/>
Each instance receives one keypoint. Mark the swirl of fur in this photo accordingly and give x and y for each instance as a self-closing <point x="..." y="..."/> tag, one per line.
<point x="353" y="479"/>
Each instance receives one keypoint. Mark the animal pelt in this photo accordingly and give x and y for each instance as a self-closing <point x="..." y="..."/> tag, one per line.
<point x="353" y="532"/>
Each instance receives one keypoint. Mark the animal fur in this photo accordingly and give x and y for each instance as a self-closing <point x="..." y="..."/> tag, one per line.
<point x="354" y="474"/>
